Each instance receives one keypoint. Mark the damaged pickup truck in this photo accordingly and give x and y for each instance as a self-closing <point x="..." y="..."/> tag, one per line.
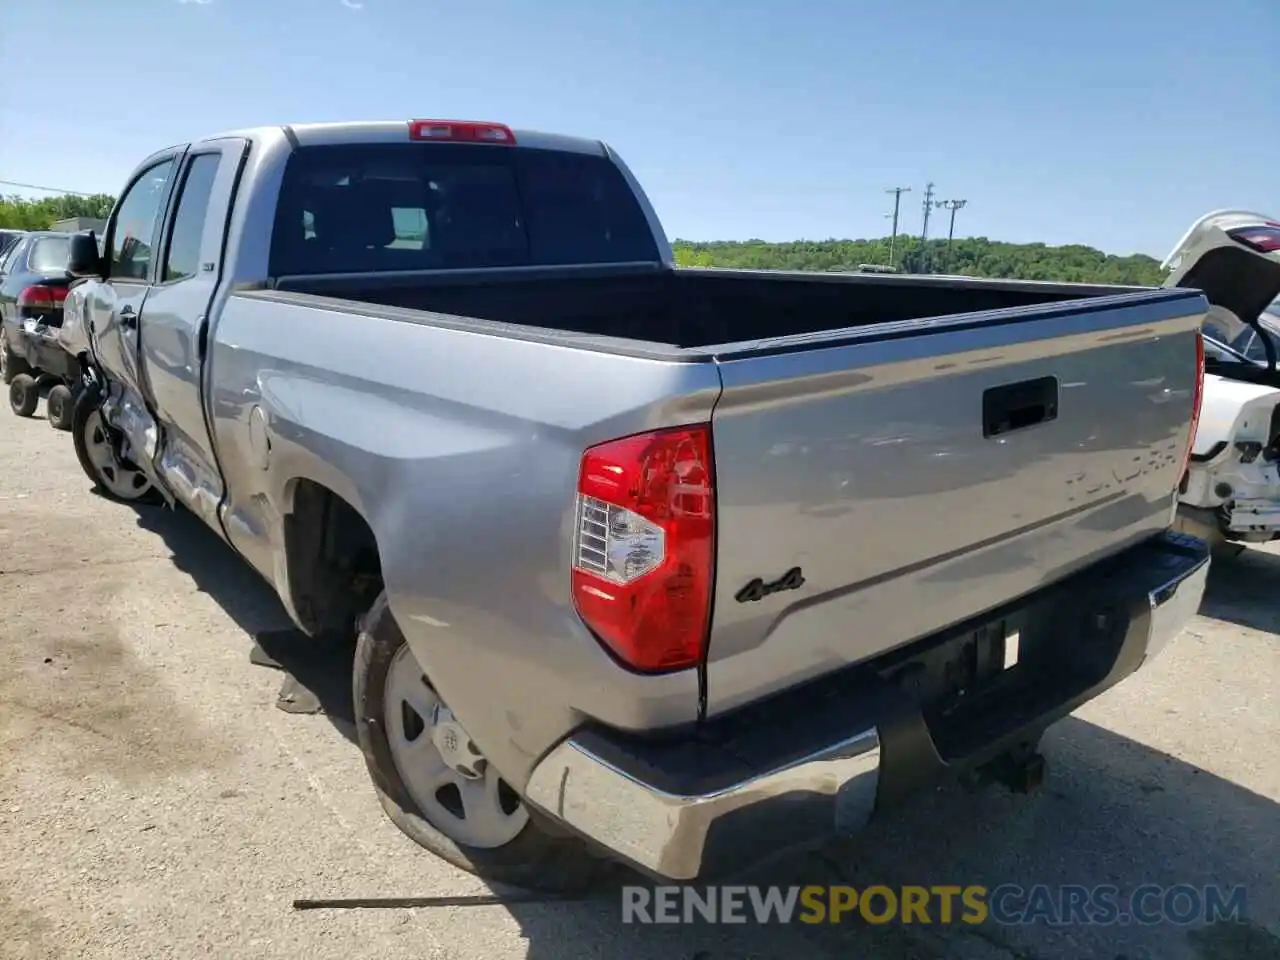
<point x="678" y="568"/>
<point x="1230" y="495"/>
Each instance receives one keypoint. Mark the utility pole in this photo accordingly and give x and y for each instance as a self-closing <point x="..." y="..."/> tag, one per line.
<point x="924" y="230"/>
<point x="897" y="200"/>
<point x="953" y="206"/>
<point x="928" y="207"/>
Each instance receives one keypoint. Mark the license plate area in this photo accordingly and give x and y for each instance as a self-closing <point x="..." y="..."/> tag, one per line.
<point x="979" y="680"/>
<point x="944" y="675"/>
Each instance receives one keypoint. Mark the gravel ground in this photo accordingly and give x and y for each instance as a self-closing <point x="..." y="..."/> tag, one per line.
<point x="155" y="803"/>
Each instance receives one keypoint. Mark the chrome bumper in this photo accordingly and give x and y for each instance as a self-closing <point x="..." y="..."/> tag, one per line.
<point x="668" y="834"/>
<point x="681" y="809"/>
<point x="1176" y="601"/>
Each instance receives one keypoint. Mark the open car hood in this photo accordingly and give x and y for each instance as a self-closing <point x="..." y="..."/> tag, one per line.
<point x="1233" y="256"/>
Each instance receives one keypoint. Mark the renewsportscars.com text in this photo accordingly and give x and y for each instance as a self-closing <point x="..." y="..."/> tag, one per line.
<point x="1007" y="904"/>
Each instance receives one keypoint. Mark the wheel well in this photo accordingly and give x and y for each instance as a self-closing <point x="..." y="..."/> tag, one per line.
<point x="334" y="570"/>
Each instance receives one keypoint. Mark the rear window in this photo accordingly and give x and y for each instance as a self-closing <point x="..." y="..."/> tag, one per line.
<point x="49" y="255"/>
<point x="433" y="206"/>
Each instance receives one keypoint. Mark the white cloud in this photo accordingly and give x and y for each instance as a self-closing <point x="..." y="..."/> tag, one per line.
<point x="352" y="4"/>
<point x="198" y="3"/>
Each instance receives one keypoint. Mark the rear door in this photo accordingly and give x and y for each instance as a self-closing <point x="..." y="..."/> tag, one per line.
<point x="174" y="325"/>
<point x="888" y="488"/>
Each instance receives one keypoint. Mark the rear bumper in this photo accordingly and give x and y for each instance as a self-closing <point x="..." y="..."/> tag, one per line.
<point x="820" y="760"/>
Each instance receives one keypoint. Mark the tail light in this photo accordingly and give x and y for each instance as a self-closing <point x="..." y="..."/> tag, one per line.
<point x="1264" y="239"/>
<point x="472" y="131"/>
<point x="38" y="299"/>
<point x="644" y="546"/>
<point x="1197" y="400"/>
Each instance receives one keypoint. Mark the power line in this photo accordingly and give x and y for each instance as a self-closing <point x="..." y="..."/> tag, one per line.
<point x="36" y="186"/>
<point x="897" y="200"/>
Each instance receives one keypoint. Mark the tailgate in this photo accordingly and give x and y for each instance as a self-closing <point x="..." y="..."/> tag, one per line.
<point x="909" y="477"/>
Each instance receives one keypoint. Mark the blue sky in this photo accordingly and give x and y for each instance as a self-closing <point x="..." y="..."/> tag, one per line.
<point x="1108" y="122"/>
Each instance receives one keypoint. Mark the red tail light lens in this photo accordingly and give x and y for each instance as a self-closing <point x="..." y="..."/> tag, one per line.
<point x="644" y="546"/>
<point x="38" y="298"/>
<point x="1197" y="400"/>
<point x="1265" y="239"/>
<point x="472" y="131"/>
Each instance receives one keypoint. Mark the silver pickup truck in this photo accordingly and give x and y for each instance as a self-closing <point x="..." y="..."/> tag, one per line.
<point x="675" y="568"/>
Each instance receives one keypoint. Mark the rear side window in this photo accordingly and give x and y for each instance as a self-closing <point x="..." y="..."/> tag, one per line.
<point x="49" y="255"/>
<point x="416" y="206"/>
<point x="187" y="232"/>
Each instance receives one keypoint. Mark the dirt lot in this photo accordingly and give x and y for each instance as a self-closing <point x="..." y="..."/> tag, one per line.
<point x="155" y="803"/>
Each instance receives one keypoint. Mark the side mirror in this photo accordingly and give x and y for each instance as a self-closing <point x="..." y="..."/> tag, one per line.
<point x="83" y="259"/>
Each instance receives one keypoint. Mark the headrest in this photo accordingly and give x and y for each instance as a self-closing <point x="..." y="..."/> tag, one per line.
<point x="354" y="217"/>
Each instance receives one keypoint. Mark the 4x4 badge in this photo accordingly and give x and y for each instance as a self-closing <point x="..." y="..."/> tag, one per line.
<point x="757" y="589"/>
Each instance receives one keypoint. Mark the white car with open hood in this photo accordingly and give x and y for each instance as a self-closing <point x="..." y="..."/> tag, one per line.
<point x="1230" y="495"/>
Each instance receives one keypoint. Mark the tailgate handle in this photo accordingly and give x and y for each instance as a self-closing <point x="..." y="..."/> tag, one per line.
<point x="1016" y="406"/>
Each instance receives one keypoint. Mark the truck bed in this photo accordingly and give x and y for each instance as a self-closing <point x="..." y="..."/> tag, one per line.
<point x="922" y="449"/>
<point x="692" y="308"/>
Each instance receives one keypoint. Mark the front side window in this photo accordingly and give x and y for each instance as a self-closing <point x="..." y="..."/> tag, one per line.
<point x="129" y="248"/>
<point x="183" y="257"/>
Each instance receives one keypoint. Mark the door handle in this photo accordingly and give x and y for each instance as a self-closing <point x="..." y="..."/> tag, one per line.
<point x="1016" y="406"/>
<point x="128" y="318"/>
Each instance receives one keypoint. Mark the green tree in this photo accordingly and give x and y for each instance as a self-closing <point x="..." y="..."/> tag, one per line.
<point x="22" y="213"/>
<point x="967" y="256"/>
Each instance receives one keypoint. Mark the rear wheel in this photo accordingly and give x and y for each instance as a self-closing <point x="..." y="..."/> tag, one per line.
<point x="97" y="450"/>
<point x="11" y="365"/>
<point x="24" y="394"/>
<point x="437" y="787"/>
<point x="58" y="407"/>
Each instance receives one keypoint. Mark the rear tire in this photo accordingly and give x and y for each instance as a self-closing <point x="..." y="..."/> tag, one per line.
<point x="533" y="858"/>
<point x="11" y="365"/>
<point x="110" y="477"/>
<point x="24" y="394"/>
<point x="58" y="407"/>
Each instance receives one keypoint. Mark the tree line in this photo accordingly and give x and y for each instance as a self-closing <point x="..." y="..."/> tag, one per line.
<point x="969" y="256"/>
<point x="20" y="213"/>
